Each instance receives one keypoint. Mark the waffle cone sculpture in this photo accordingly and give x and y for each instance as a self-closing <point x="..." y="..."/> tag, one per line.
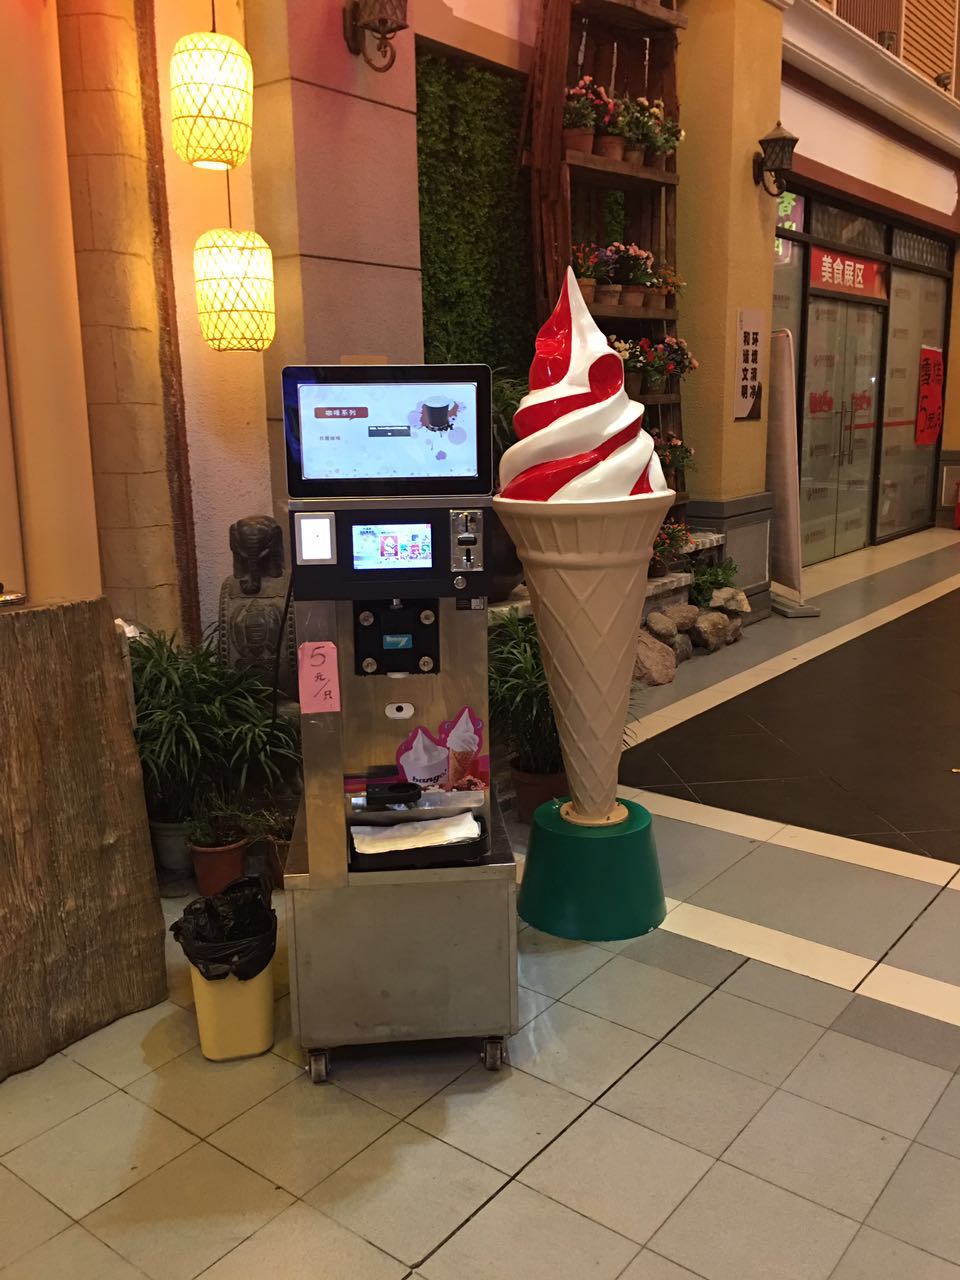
<point x="582" y="496"/>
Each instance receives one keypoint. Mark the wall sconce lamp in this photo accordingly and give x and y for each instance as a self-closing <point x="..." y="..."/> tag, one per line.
<point x="776" y="158"/>
<point x="380" y="18"/>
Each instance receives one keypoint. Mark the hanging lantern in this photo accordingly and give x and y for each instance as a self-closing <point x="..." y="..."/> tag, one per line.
<point x="211" y="100"/>
<point x="233" y="271"/>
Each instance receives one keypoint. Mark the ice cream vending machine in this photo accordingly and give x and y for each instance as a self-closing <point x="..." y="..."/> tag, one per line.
<point x="401" y="901"/>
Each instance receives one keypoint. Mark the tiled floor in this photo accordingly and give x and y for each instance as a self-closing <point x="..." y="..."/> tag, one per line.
<point x="765" y="1088"/>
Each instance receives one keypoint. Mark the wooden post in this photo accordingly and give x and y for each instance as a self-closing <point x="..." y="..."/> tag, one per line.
<point x="81" y="929"/>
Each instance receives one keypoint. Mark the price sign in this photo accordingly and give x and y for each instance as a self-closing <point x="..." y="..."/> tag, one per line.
<point x="318" y="677"/>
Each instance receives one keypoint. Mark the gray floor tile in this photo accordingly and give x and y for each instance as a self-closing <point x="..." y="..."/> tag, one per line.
<point x="575" y="1050"/>
<point x="930" y="946"/>
<point x="551" y="966"/>
<point x="920" y="1203"/>
<point x="902" y="1031"/>
<point x="869" y="1083"/>
<point x="789" y="992"/>
<point x="835" y="903"/>
<point x="824" y="1156"/>
<point x="942" y="1127"/>
<point x="638" y="996"/>
<point x="874" y="1256"/>
<point x="732" y="1226"/>
<point x="684" y="956"/>
<point x="650" y="1266"/>
<point x="617" y="1173"/>
<point x="691" y="856"/>
<point x="762" y="1043"/>
<point x="687" y="1098"/>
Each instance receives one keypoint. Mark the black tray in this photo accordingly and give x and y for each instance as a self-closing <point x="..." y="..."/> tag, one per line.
<point x="469" y="853"/>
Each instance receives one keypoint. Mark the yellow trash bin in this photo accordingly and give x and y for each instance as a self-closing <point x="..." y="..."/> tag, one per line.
<point x="235" y="1018"/>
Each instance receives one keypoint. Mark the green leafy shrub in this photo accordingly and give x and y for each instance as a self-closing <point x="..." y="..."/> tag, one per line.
<point x="475" y="240"/>
<point x="709" y="578"/>
<point x="520" y="709"/>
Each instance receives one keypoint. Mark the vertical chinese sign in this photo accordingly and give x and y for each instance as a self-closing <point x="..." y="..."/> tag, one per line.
<point x="929" y="396"/>
<point x="751" y="347"/>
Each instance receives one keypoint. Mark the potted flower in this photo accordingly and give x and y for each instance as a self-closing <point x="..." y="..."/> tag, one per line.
<point x="580" y="116"/>
<point x="669" y="284"/>
<point x="633" y="353"/>
<point x="672" y="541"/>
<point x="667" y="361"/>
<point x="663" y="137"/>
<point x="636" y="271"/>
<point x="676" y="458"/>
<point x="610" y="141"/>
<point x="585" y="259"/>
<point x="637" y="128"/>
<point x="521" y="713"/>
<point x="608" y="269"/>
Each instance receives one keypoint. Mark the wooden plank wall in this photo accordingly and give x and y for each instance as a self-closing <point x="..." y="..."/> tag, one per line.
<point x="929" y="36"/>
<point x="873" y="16"/>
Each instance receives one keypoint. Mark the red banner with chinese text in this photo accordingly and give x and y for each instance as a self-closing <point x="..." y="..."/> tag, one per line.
<point x="843" y="273"/>
<point x="930" y="396"/>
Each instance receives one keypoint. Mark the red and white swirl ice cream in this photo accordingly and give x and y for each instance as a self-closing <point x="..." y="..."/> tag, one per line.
<point x="583" y="495"/>
<point x="580" y="436"/>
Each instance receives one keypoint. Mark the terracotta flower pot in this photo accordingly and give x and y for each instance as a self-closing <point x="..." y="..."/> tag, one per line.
<point x="655" y="159"/>
<point x="609" y="294"/>
<point x="634" y="156"/>
<point x="670" y="475"/>
<point x="217" y="866"/>
<point x="653" y="382"/>
<point x="633" y="295"/>
<point x="534" y="789"/>
<point x="654" y="300"/>
<point x="588" y="287"/>
<point x="633" y="381"/>
<point x="578" y="140"/>
<point x="610" y="146"/>
<point x="658" y="568"/>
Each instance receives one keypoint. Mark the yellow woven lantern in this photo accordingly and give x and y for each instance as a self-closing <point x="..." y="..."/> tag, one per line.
<point x="211" y="100"/>
<point x="233" y="271"/>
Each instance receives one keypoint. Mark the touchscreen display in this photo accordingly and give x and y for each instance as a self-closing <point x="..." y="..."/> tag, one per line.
<point x="392" y="546"/>
<point x="386" y="431"/>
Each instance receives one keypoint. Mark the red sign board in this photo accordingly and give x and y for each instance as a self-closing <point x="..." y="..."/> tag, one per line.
<point x="843" y="273"/>
<point x="930" y="397"/>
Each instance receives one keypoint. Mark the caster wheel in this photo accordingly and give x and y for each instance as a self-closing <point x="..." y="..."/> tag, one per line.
<point x="493" y="1057"/>
<point x="318" y="1064"/>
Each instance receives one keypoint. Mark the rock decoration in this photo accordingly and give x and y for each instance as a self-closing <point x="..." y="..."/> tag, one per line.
<point x="671" y="635"/>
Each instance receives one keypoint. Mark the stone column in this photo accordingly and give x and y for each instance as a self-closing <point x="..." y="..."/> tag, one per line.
<point x="114" y="241"/>
<point x="41" y="325"/>
<point x="729" y="86"/>
<point x="335" y="191"/>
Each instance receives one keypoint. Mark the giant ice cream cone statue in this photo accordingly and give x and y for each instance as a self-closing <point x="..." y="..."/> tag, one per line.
<point x="582" y="496"/>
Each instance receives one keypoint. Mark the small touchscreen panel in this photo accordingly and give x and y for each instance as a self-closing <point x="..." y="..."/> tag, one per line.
<point x="392" y="546"/>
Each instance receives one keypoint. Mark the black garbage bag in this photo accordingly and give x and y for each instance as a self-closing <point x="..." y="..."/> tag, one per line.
<point x="233" y="932"/>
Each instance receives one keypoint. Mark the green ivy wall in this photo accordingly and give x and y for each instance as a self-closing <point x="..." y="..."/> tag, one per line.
<point x="475" y="241"/>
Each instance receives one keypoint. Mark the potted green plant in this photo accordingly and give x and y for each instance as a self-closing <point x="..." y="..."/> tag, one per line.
<point x="219" y="835"/>
<point x="708" y="578"/>
<point x="585" y="258"/>
<point x="580" y="116"/>
<point x="522" y="715"/>
<point x="637" y="274"/>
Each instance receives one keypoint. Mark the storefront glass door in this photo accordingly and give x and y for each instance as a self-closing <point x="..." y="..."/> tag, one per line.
<point x="844" y="342"/>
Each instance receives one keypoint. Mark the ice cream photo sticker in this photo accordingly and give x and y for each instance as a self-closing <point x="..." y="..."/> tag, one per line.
<point x="451" y="759"/>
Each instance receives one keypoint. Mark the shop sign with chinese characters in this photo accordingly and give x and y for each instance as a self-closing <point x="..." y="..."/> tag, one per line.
<point x="752" y="335"/>
<point x="930" y="396"/>
<point x="843" y="273"/>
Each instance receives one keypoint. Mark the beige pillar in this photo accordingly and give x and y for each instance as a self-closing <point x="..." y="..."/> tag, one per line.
<point x="41" y="321"/>
<point x="729" y="85"/>
<point x="114" y="239"/>
<point x="335" y="192"/>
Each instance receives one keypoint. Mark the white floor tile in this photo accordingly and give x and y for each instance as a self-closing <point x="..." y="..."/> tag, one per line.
<point x="522" y="1235"/>
<point x="704" y="815"/>
<point x="502" y="1117"/>
<point x="188" y="1214"/>
<point x="26" y="1219"/>
<point x="406" y="1193"/>
<point x="575" y="1050"/>
<point x="34" y="1101"/>
<point x="651" y="1001"/>
<point x="553" y="965"/>
<point x="179" y="985"/>
<point x="284" y="1044"/>
<point x="799" y="955"/>
<point x="531" y="1003"/>
<point x="203" y="1096"/>
<point x="913" y="991"/>
<point x="302" y="1244"/>
<point x="617" y="1173"/>
<point x="398" y="1078"/>
<point x="97" y="1154"/>
<point x="302" y="1133"/>
<point x="72" y="1255"/>
<point x="863" y="854"/>
<point x="136" y="1044"/>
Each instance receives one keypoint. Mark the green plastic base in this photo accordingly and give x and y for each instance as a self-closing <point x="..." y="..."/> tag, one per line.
<point x="595" y="884"/>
